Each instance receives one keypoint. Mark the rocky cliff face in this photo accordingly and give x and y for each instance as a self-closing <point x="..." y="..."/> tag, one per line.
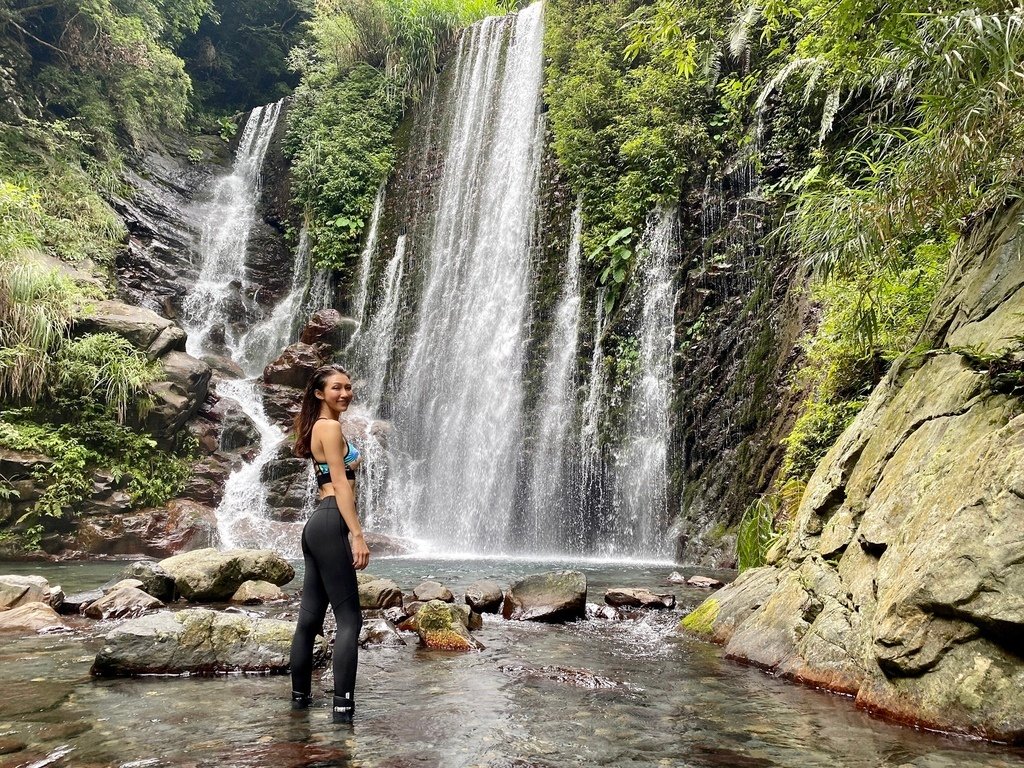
<point x="902" y="579"/>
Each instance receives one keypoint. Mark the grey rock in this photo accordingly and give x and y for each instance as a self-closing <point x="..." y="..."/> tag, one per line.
<point x="178" y="395"/>
<point x="379" y="593"/>
<point x="170" y="339"/>
<point x="30" y="618"/>
<point x="254" y="592"/>
<point x="138" y="325"/>
<point x="153" y="579"/>
<point x="198" y="641"/>
<point x="207" y="574"/>
<point x="704" y="582"/>
<point x="16" y="591"/>
<point x="294" y="366"/>
<point x="78" y="602"/>
<point x="433" y="590"/>
<point x="122" y="602"/>
<point x="556" y="596"/>
<point x="484" y="596"/>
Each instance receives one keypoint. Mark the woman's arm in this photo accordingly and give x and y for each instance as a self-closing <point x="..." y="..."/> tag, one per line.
<point x="331" y="440"/>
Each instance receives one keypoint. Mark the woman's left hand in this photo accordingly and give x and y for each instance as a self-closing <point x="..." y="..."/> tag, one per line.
<point x="360" y="552"/>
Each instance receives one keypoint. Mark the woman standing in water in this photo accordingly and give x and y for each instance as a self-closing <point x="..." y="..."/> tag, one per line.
<point x="331" y="561"/>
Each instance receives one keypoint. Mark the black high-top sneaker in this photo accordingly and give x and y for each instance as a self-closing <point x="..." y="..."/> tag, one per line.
<point x="301" y="700"/>
<point x="343" y="709"/>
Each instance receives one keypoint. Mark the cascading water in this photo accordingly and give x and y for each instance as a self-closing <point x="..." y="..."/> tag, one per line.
<point x="379" y="340"/>
<point x="641" y="460"/>
<point x="554" y="467"/>
<point x="592" y="465"/>
<point x="458" y="414"/>
<point x="366" y="259"/>
<point x="227" y="221"/>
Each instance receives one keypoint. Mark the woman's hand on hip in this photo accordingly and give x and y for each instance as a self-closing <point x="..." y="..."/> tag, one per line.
<point x="360" y="552"/>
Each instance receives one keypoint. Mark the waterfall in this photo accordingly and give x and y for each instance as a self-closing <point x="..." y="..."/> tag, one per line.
<point x="227" y="220"/>
<point x="592" y="465"/>
<point x="366" y="258"/>
<point x="641" y="461"/>
<point x="379" y="339"/>
<point x="553" y="478"/>
<point x="458" y="411"/>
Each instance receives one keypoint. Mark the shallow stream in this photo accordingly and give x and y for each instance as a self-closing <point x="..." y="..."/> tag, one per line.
<point x="597" y="692"/>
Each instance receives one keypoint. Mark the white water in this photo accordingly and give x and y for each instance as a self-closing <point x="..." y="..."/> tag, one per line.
<point x="227" y="221"/>
<point x="641" y="460"/>
<point x="458" y="414"/>
<point x="366" y="259"/>
<point x="592" y="465"/>
<point x="553" y="474"/>
<point x="379" y="339"/>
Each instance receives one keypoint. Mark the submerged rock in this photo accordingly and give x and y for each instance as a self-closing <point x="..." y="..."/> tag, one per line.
<point x="556" y="596"/>
<point x="379" y="633"/>
<point x="443" y="627"/>
<point x="579" y="678"/>
<point x="198" y="641"/>
<point x="638" y="598"/>
<point x="208" y="575"/>
<point x="484" y="596"/>
<point x="78" y="602"/>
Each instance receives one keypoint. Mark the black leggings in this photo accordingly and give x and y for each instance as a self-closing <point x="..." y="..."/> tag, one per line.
<point x="330" y="577"/>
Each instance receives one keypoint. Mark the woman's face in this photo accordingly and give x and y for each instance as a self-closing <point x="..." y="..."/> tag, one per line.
<point x="337" y="392"/>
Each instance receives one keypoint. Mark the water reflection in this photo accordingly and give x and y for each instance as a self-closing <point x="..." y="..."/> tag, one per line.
<point x="533" y="697"/>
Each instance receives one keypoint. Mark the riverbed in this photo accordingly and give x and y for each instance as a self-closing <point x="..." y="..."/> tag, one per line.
<point x="623" y="693"/>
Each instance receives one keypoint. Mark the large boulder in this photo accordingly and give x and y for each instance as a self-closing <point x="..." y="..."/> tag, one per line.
<point x="16" y="591"/>
<point x="484" y="596"/>
<point x="287" y="480"/>
<point x="294" y="366"/>
<point x="901" y="579"/>
<point x="281" y="403"/>
<point x="255" y="592"/>
<point x="142" y="327"/>
<point x="207" y="574"/>
<point x="29" y="618"/>
<point x="556" y="596"/>
<point x="443" y="627"/>
<point x="198" y="641"/>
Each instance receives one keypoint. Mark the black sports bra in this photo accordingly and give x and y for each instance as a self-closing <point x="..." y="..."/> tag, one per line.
<point x="321" y="470"/>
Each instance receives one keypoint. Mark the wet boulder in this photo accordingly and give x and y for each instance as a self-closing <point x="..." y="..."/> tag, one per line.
<point x="281" y="403"/>
<point x="379" y="633"/>
<point x="78" y="602"/>
<point x="484" y="596"/>
<point x="638" y="598"/>
<point x="199" y="641"/>
<point x="442" y="627"/>
<point x="255" y="592"/>
<point x="294" y="366"/>
<point x="433" y="590"/>
<point x="382" y="545"/>
<point x="16" y="591"/>
<point x="157" y="532"/>
<point x="379" y="594"/>
<point x="123" y="601"/>
<point x="328" y="327"/>
<point x="556" y="596"/>
<point x="152" y="579"/>
<point x="140" y="326"/>
<point x="206" y="574"/>
<point x="29" y="618"/>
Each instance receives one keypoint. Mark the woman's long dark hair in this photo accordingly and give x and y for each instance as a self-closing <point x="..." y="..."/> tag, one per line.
<point x="310" y="410"/>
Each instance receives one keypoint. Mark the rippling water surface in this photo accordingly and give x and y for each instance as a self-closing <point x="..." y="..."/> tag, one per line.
<point x="622" y="693"/>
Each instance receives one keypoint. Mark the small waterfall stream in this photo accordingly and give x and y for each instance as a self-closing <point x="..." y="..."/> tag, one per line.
<point x="554" y="468"/>
<point x="641" y="461"/>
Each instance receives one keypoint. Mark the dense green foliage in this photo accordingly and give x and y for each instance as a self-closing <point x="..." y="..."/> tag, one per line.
<point x="361" y="66"/>
<point x="630" y="134"/>
<point x="82" y="439"/>
<point x="238" y="57"/>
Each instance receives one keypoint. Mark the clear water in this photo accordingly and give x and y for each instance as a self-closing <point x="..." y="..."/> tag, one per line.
<point x="675" y="701"/>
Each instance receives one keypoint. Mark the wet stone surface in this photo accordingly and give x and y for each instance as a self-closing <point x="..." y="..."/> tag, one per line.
<point x="632" y="692"/>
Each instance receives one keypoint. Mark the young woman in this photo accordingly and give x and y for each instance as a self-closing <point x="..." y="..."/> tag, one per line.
<point x="331" y="561"/>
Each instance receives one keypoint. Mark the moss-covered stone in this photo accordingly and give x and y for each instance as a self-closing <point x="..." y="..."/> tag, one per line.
<point x="701" y="620"/>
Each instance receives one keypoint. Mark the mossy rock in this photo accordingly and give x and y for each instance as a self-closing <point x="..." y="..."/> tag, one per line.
<point x="701" y="620"/>
<point x="442" y="627"/>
